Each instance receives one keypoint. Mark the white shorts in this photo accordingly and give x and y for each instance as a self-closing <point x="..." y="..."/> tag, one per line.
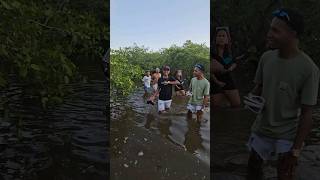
<point x="194" y="108"/>
<point x="162" y="105"/>
<point x="268" y="148"/>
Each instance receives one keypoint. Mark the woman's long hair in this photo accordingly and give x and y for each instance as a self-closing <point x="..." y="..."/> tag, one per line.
<point x="176" y="73"/>
<point x="227" y="49"/>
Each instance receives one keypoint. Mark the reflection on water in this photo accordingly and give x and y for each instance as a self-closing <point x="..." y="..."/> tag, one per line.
<point x="175" y="125"/>
<point x="67" y="142"/>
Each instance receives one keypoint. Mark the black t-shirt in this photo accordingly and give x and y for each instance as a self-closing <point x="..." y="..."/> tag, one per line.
<point x="165" y="90"/>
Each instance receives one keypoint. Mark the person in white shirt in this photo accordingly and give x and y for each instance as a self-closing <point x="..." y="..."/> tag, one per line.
<point x="146" y="82"/>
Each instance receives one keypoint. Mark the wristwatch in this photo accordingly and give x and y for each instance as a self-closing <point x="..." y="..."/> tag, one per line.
<point x="295" y="152"/>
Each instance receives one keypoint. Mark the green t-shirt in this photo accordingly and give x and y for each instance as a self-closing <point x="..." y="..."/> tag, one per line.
<point x="286" y="85"/>
<point x="199" y="88"/>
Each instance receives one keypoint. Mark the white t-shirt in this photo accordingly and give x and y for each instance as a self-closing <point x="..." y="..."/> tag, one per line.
<point x="146" y="80"/>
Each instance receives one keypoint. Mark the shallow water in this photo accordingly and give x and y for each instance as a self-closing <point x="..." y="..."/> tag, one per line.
<point x="231" y="130"/>
<point x="173" y="126"/>
<point x="67" y="142"/>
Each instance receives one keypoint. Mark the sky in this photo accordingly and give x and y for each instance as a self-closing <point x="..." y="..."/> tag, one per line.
<point x="159" y="24"/>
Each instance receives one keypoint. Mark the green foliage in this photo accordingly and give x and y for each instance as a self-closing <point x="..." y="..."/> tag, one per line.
<point x="186" y="57"/>
<point x="41" y="40"/>
<point x="129" y="63"/>
<point x="123" y="75"/>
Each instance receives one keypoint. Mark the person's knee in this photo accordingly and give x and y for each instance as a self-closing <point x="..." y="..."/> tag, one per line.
<point x="199" y="112"/>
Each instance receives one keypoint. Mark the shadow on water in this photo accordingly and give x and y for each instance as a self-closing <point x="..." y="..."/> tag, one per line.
<point x="66" y="142"/>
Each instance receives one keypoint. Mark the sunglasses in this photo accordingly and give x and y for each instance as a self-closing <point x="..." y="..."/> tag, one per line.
<point x="281" y="13"/>
<point x="222" y="28"/>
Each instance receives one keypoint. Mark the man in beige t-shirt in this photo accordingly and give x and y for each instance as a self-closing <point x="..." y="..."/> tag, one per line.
<point x="288" y="80"/>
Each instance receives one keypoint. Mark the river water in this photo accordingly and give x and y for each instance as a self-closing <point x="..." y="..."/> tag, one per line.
<point x="66" y="142"/>
<point x="174" y="128"/>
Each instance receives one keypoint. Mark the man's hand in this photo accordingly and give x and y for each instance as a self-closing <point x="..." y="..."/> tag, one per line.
<point x="287" y="166"/>
<point x="166" y="82"/>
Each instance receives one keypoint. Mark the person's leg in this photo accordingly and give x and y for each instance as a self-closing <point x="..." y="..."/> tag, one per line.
<point x="233" y="97"/>
<point x="283" y="170"/>
<point x="254" y="169"/>
<point x="161" y="106"/>
<point x="167" y="104"/>
<point x="219" y="100"/>
<point x="199" y="115"/>
<point x="183" y="92"/>
<point x="190" y="111"/>
<point x="178" y="93"/>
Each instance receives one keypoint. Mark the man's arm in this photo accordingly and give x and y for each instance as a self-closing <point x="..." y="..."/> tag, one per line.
<point x="206" y="95"/>
<point x="217" y="67"/>
<point x="173" y="82"/>
<point x="205" y="101"/>
<point x="304" y="127"/>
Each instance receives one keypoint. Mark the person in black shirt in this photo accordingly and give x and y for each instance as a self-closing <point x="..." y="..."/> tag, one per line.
<point x="164" y="91"/>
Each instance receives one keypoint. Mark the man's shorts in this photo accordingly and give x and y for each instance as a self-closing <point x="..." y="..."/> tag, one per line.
<point x="268" y="148"/>
<point x="162" y="105"/>
<point x="146" y="88"/>
<point x="194" y="108"/>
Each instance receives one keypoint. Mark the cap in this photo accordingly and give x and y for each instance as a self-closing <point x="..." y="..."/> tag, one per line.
<point x="200" y="66"/>
<point x="292" y="17"/>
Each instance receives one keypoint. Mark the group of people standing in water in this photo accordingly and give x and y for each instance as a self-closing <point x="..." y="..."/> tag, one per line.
<point x="286" y="88"/>
<point x="161" y="85"/>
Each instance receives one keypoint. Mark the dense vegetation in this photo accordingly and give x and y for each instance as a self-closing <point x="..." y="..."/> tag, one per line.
<point x="129" y="63"/>
<point x="41" y="41"/>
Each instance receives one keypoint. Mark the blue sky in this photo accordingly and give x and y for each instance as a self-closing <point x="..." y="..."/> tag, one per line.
<point x="159" y="23"/>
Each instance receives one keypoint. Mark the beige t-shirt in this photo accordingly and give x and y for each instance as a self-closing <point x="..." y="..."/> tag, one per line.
<point x="287" y="84"/>
<point x="199" y="88"/>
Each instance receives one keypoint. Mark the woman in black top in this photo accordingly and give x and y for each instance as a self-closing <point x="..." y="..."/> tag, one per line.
<point x="223" y="64"/>
<point x="179" y="87"/>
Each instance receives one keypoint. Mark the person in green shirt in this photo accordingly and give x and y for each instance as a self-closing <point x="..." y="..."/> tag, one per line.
<point x="287" y="79"/>
<point x="200" y="89"/>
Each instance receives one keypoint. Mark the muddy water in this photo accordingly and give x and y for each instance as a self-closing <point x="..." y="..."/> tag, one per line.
<point x="66" y="142"/>
<point x="173" y="128"/>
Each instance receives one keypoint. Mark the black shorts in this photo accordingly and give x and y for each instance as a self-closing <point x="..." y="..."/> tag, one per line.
<point x="229" y="85"/>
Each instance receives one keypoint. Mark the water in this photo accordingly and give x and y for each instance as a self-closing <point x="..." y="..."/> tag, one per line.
<point x="66" y="142"/>
<point x="174" y="126"/>
<point x="230" y="135"/>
